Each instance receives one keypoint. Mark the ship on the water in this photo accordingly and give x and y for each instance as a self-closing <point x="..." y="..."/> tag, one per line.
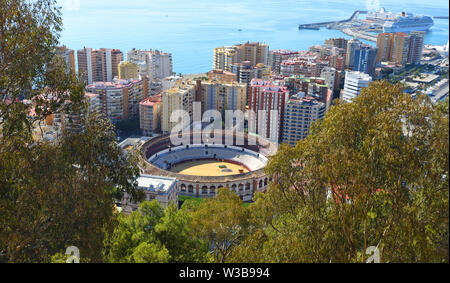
<point x="403" y="22"/>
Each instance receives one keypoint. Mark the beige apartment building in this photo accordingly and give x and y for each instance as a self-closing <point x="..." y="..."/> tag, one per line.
<point x="180" y="97"/>
<point x="223" y="96"/>
<point x="254" y="52"/>
<point x="400" y="48"/>
<point x="416" y="46"/>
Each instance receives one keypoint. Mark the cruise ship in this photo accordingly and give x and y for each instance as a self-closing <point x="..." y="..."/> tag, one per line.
<point x="404" y="22"/>
<point x="407" y="22"/>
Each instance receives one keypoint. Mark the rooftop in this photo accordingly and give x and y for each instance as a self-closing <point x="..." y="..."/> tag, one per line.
<point x="358" y="75"/>
<point x="222" y="72"/>
<point x="91" y="95"/>
<point x="151" y="51"/>
<point x="155" y="183"/>
<point x="284" y="52"/>
<point x="115" y="84"/>
<point x="302" y="99"/>
<point x="425" y="79"/>
<point x="152" y="100"/>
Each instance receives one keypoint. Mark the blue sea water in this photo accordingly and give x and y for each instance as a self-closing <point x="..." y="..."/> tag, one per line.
<point x="190" y="29"/>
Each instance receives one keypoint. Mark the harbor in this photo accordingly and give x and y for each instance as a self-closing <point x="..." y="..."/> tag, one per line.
<point x="352" y="26"/>
<point x="360" y="34"/>
<point x="317" y="26"/>
<point x="376" y="22"/>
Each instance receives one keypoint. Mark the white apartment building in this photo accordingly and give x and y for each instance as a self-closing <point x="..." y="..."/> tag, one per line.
<point x="299" y="114"/>
<point x="94" y="102"/>
<point x="276" y="57"/>
<point x="160" y="65"/>
<point x="153" y="63"/>
<point x="329" y="75"/>
<point x="354" y="82"/>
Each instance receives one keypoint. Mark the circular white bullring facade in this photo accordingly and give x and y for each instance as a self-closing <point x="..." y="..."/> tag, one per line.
<point x="201" y="170"/>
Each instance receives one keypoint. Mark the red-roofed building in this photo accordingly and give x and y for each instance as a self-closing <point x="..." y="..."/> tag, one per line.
<point x="266" y="103"/>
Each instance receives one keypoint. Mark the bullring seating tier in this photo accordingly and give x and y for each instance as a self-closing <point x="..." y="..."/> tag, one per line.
<point x="170" y="157"/>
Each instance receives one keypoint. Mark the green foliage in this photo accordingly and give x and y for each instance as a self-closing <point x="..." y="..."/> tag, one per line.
<point x="28" y="66"/>
<point x="154" y="235"/>
<point x="128" y="127"/>
<point x="151" y="253"/>
<point x="59" y="194"/>
<point x="189" y="202"/>
<point x="373" y="173"/>
<point x="223" y="222"/>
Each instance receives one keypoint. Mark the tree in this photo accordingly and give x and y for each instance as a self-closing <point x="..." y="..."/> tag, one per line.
<point x="374" y="172"/>
<point x="52" y="194"/>
<point x="150" y="253"/>
<point x="152" y="235"/>
<point x="63" y="193"/>
<point x="131" y="231"/>
<point x="223" y="222"/>
<point x="29" y="69"/>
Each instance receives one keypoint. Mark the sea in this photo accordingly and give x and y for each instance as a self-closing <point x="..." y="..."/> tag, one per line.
<point x="190" y="30"/>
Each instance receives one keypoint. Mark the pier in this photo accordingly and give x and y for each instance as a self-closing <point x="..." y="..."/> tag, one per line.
<point x="324" y="24"/>
<point x="360" y="34"/>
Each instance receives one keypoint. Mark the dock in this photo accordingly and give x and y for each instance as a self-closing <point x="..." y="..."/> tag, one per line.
<point x="360" y="34"/>
<point x="316" y="26"/>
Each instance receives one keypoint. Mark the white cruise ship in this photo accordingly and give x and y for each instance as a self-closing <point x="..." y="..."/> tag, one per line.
<point x="404" y="22"/>
<point x="408" y="22"/>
